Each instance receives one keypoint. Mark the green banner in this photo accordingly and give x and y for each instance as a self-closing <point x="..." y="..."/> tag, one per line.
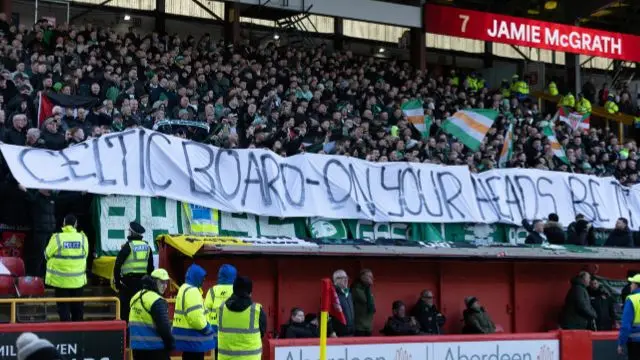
<point x="114" y="213"/>
<point x="161" y="216"/>
<point x="247" y="225"/>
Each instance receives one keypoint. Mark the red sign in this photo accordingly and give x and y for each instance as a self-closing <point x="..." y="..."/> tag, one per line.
<point x="446" y="20"/>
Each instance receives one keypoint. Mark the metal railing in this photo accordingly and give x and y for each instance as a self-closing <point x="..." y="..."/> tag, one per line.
<point x="14" y="302"/>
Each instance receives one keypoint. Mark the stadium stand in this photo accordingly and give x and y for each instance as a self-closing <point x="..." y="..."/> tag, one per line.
<point x="29" y="286"/>
<point x="7" y="286"/>
<point x="14" y="265"/>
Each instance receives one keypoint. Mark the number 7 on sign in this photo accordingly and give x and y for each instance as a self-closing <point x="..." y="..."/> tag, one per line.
<point x="465" y="21"/>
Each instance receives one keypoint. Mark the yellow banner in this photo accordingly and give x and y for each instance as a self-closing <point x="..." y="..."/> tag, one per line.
<point x="190" y="245"/>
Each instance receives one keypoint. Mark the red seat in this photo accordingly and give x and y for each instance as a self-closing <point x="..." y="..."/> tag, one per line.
<point x="30" y="286"/>
<point x="15" y="265"/>
<point x="7" y="285"/>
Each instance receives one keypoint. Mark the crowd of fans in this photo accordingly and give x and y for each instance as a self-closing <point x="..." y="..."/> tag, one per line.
<point x="287" y="100"/>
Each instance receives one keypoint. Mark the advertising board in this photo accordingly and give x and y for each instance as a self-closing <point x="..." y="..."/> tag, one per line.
<point x="96" y="340"/>
<point x="459" y="350"/>
<point x="447" y="20"/>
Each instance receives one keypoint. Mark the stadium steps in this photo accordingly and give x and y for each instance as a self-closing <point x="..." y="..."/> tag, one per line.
<point x="93" y="311"/>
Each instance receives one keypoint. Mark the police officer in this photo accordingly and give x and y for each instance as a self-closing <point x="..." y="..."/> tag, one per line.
<point x="629" y="334"/>
<point x="553" y="89"/>
<point x="66" y="256"/>
<point x="610" y="105"/>
<point x="192" y="331"/>
<point x="241" y="324"/>
<point x="149" y="324"/>
<point x="134" y="261"/>
<point x="218" y="294"/>
<point x="583" y="105"/>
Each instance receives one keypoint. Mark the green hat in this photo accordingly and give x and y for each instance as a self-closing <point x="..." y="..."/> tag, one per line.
<point x="57" y="86"/>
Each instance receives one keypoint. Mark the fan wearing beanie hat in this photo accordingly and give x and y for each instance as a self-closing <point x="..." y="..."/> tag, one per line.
<point x="31" y="347"/>
<point x="476" y="318"/>
<point x="241" y="312"/>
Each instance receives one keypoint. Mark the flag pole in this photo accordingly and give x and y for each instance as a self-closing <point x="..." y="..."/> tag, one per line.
<point x="325" y="303"/>
<point x="324" y="318"/>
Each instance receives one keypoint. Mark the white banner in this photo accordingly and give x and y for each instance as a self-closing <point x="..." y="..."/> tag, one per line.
<point x="511" y="195"/>
<point x="463" y="350"/>
<point x="147" y="163"/>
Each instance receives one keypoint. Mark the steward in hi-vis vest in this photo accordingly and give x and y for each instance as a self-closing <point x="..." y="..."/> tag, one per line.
<point x="218" y="294"/>
<point x="629" y="334"/>
<point x="241" y="324"/>
<point x="149" y="324"/>
<point x="66" y="256"/>
<point x="192" y="331"/>
<point x="134" y="261"/>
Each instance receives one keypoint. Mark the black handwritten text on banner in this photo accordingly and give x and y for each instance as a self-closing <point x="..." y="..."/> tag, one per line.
<point x="147" y="163"/>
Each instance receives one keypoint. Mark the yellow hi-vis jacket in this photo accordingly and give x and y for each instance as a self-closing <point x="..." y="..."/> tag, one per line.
<point x="66" y="256"/>
<point x="239" y="333"/>
<point x="216" y="296"/>
<point x="138" y="259"/>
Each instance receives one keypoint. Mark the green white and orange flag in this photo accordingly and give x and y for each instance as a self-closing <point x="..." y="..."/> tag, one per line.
<point x="507" y="147"/>
<point x="414" y="112"/>
<point x="470" y="126"/>
<point x="558" y="150"/>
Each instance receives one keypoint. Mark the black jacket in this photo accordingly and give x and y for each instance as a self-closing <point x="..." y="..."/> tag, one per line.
<point x="619" y="238"/>
<point x="53" y="141"/>
<point x="579" y="233"/>
<point x="578" y="313"/>
<point x="603" y="304"/>
<point x="428" y="317"/>
<point x="303" y="330"/>
<point x="477" y="321"/>
<point x="240" y="303"/>
<point x="533" y="238"/>
<point x="43" y="211"/>
<point x="160" y="314"/>
<point x="400" y="326"/>
<point x="346" y="302"/>
<point x="554" y="233"/>
<point x="15" y="137"/>
<point x="122" y="256"/>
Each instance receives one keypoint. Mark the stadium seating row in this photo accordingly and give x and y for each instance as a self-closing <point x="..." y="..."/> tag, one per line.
<point x="16" y="283"/>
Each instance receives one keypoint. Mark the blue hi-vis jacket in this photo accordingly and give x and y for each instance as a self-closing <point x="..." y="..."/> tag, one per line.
<point x="191" y="330"/>
<point x="630" y="324"/>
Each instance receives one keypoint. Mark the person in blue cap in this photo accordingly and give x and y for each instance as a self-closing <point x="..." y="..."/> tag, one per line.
<point x="191" y="330"/>
<point x="218" y="294"/>
<point x="134" y="261"/>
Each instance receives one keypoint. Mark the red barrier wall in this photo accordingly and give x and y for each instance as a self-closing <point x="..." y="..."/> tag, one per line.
<point x="521" y="296"/>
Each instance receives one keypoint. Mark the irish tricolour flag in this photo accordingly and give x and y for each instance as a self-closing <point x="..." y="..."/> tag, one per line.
<point x="507" y="147"/>
<point x="470" y="126"/>
<point x="558" y="150"/>
<point x="414" y="112"/>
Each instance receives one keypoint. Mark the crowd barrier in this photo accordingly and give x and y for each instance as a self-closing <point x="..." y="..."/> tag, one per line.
<point x="556" y="345"/>
<point x="14" y="302"/>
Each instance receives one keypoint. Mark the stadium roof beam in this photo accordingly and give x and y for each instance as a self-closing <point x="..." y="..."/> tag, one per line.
<point x="207" y="10"/>
<point x="525" y="57"/>
<point x="85" y="12"/>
